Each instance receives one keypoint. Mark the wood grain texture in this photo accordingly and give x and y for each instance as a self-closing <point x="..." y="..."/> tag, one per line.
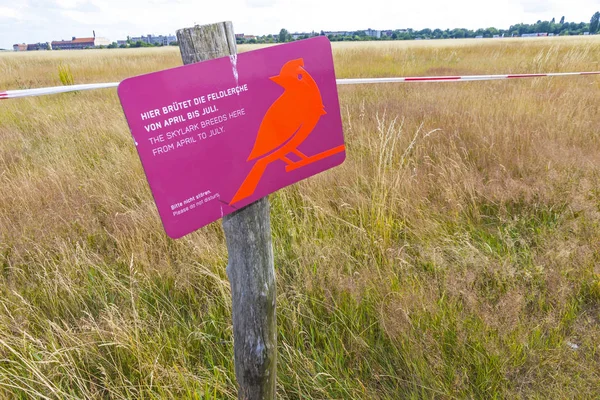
<point x="252" y="276"/>
<point x="205" y="42"/>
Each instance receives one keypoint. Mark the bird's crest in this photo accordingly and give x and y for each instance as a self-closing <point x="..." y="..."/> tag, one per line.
<point x="290" y="74"/>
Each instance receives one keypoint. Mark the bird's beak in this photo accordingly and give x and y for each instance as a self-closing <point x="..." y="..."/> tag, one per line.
<point x="277" y="79"/>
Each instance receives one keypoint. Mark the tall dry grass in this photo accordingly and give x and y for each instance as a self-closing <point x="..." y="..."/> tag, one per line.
<point x="455" y="254"/>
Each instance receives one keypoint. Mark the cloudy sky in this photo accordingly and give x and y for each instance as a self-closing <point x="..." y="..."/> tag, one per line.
<point x="46" y="20"/>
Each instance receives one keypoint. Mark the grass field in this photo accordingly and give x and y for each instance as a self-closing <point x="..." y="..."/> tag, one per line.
<point x="455" y="254"/>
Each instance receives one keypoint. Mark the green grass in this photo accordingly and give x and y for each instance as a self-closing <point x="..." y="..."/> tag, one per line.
<point x="455" y="253"/>
<point x="65" y="75"/>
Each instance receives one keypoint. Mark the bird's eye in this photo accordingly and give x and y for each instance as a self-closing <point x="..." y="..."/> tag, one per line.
<point x="299" y="77"/>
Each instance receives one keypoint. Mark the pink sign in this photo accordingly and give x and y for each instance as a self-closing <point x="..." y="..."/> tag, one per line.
<point x="217" y="135"/>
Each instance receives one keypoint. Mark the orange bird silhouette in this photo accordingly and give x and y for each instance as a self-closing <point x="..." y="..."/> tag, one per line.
<point x="287" y="123"/>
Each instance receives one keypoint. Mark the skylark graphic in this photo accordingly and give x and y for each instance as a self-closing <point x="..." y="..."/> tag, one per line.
<point x="286" y="124"/>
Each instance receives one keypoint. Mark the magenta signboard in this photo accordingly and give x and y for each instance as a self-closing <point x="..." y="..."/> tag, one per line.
<point x="215" y="136"/>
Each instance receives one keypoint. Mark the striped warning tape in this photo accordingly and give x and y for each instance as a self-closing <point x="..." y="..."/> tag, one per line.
<point x="12" y="94"/>
<point x="355" y="81"/>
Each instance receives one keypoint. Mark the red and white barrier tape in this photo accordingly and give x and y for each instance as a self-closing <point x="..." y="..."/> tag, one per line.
<point x="12" y="94"/>
<point x="355" y="81"/>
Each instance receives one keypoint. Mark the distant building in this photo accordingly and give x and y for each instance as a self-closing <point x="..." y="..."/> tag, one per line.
<point x="155" y="40"/>
<point x="373" y="33"/>
<point x="79" y="43"/>
<point x="369" y="32"/>
<point x="39" y="46"/>
<point x="242" y="38"/>
<point x="338" y="33"/>
<point x="534" y="34"/>
<point x="121" y="42"/>
<point x="297" y="35"/>
<point x="32" y="47"/>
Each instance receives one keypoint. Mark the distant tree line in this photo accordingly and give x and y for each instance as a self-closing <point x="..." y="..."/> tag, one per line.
<point x="561" y="28"/>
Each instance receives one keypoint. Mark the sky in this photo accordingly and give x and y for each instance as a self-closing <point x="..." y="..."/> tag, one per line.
<point x="32" y="21"/>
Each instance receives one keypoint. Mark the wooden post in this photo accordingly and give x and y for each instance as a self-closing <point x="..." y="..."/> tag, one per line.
<point x="250" y="269"/>
<point x="252" y="277"/>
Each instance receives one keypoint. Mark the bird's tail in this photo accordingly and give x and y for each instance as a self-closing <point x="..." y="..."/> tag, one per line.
<point x="249" y="185"/>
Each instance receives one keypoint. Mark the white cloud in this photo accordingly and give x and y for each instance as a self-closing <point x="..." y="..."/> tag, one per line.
<point x="9" y="13"/>
<point x="534" y="6"/>
<point x="69" y="4"/>
<point x="260" y="3"/>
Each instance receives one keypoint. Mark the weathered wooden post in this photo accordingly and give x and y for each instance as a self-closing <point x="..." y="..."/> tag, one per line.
<point x="248" y="233"/>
